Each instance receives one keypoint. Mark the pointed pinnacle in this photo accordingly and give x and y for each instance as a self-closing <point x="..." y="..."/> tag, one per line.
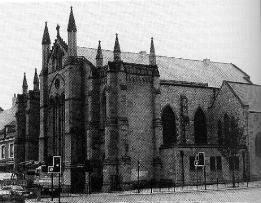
<point x="46" y="36"/>
<point x="99" y="51"/>
<point x="36" y="79"/>
<point x="58" y="30"/>
<point x="152" y="49"/>
<point x="25" y="81"/>
<point x="71" y="24"/>
<point x="117" y="44"/>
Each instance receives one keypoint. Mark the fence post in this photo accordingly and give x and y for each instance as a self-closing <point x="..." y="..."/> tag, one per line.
<point x="205" y="178"/>
<point x="138" y="176"/>
<point x="197" y="176"/>
<point x="217" y="183"/>
<point x="151" y="186"/>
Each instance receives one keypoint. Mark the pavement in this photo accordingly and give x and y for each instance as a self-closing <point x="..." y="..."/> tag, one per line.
<point x="250" y="193"/>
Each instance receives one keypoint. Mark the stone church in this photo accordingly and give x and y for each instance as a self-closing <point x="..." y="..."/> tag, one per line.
<point x="138" y="114"/>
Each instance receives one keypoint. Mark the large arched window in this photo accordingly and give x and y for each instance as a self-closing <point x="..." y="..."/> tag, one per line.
<point x="220" y="133"/>
<point x="169" y="126"/>
<point x="103" y="110"/>
<point x="258" y="144"/>
<point x="200" y="127"/>
<point x="226" y="125"/>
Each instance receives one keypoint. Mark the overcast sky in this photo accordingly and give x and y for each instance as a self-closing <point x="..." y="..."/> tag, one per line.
<point x="221" y="30"/>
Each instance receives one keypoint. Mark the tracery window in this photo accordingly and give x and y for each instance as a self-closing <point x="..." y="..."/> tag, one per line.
<point x="169" y="126"/>
<point x="226" y="125"/>
<point x="56" y="125"/>
<point x="258" y="144"/>
<point x="200" y="127"/>
<point x="103" y="110"/>
<point x="220" y="133"/>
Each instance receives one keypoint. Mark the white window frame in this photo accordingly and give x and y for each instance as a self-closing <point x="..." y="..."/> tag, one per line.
<point x="10" y="150"/>
<point x="1" y="150"/>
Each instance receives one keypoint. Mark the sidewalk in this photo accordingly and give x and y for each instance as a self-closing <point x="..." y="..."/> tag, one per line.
<point x="147" y="192"/>
<point x="200" y="188"/>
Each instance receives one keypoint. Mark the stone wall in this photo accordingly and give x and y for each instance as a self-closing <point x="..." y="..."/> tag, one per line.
<point x="226" y="103"/>
<point x="139" y="113"/>
<point x="172" y="168"/>
<point x="254" y="131"/>
<point x="197" y="97"/>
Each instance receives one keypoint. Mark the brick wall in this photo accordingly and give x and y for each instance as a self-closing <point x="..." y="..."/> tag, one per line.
<point x="226" y="102"/>
<point x="254" y="129"/>
<point x="139" y="113"/>
<point x="197" y="97"/>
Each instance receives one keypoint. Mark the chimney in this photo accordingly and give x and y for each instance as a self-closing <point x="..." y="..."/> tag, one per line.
<point x="206" y="62"/>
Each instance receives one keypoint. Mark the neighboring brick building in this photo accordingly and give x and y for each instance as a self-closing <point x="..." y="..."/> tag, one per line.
<point x="117" y="109"/>
<point x="7" y="138"/>
<point x="27" y="124"/>
<point x="19" y="130"/>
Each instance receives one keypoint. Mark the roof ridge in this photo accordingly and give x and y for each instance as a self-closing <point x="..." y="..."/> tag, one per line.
<point x="171" y="57"/>
<point x="242" y="83"/>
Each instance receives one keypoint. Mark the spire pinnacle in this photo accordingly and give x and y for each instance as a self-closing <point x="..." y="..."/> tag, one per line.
<point x="58" y="30"/>
<point x="117" y="49"/>
<point x="71" y="24"/>
<point x="99" y="51"/>
<point x="25" y="86"/>
<point x="152" y="56"/>
<point x="36" y="80"/>
<point x="46" y="36"/>
<point x="99" y="56"/>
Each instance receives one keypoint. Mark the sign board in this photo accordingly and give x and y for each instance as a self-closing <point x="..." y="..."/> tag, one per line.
<point x="56" y="167"/>
<point x="200" y="159"/>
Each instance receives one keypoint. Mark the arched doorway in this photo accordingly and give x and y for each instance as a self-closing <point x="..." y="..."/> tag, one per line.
<point x="169" y="126"/>
<point x="200" y="127"/>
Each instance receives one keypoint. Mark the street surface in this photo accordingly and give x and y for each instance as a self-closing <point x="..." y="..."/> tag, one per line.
<point x="250" y="195"/>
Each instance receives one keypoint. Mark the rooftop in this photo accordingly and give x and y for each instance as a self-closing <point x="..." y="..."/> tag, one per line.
<point x="248" y="94"/>
<point x="7" y="117"/>
<point x="171" y="68"/>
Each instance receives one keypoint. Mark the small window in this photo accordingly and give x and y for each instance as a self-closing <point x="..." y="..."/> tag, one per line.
<point x="191" y="163"/>
<point x="2" y="155"/>
<point x="212" y="163"/>
<point x="11" y="150"/>
<point x="234" y="164"/>
<point x="219" y="163"/>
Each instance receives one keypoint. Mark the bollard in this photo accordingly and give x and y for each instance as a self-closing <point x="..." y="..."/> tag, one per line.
<point x="217" y="183"/>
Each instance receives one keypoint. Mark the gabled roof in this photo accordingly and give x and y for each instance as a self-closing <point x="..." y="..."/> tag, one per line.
<point x="171" y="68"/>
<point x="248" y="94"/>
<point x="7" y="117"/>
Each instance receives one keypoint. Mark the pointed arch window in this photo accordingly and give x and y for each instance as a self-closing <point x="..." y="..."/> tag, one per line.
<point x="258" y="145"/>
<point x="56" y="114"/>
<point x="220" y="133"/>
<point x="103" y="110"/>
<point x="169" y="126"/>
<point x="200" y="127"/>
<point x="226" y="125"/>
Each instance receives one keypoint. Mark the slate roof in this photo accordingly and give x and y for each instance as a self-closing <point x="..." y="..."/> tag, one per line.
<point x="7" y="117"/>
<point x="171" y="68"/>
<point x="248" y="94"/>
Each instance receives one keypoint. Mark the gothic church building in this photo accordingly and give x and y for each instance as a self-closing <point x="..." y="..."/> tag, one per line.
<point x="117" y="109"/>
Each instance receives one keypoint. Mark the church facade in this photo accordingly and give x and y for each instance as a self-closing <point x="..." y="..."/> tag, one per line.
<point x="137" y="113"/>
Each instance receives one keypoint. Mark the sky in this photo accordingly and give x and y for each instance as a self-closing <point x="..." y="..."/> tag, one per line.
<point x="220" y="30"/>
